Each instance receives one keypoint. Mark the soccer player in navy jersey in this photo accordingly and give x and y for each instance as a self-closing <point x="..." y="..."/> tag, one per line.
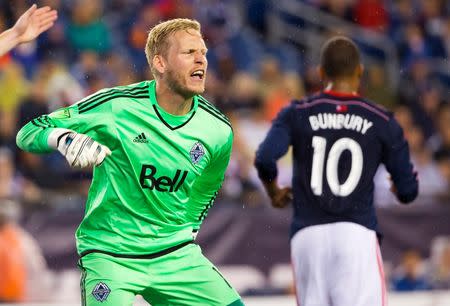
<point x="339" y="139"/>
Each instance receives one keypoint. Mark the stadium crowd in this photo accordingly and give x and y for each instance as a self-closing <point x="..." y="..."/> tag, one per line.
<point x="97" y="44"/>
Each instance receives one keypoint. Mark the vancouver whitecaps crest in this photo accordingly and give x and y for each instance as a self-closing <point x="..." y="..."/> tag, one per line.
<point x="101" y="292"/>
<point x="197" y="152"/>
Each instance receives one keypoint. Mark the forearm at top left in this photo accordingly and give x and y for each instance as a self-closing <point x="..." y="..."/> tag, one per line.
<point x="8" y="40"/>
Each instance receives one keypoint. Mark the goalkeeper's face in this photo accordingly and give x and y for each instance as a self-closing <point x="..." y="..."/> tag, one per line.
<point x="185" y="63"/>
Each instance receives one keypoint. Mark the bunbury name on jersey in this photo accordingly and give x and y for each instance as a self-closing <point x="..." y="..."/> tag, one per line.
<point x="340" y="121"/>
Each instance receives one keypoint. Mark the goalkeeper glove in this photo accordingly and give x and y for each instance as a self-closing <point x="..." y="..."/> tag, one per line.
<point x="80" y="150"/>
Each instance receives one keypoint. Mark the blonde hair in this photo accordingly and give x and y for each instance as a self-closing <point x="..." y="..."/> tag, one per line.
<point x="157" y="40"/>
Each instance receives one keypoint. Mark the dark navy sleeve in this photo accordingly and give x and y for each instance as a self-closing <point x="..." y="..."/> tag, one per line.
<point x="274" y="146"/>
<point x="398" y="163"/>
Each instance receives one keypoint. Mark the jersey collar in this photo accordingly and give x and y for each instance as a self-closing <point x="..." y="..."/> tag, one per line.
<point x="154" y="101"/>
<point x="341" y="94"/>
<point x="173" y="122"/>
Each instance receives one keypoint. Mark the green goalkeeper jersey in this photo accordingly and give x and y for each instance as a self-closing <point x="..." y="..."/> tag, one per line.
<point x="163" y="175"/>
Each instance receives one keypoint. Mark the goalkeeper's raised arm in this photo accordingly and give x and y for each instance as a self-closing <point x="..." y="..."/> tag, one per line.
<point x="73" y="134"/>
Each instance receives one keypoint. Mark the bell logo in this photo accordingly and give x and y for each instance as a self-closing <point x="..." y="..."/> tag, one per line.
<point x="149" y="180"/>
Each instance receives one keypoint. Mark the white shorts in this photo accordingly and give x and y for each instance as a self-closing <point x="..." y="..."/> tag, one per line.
<point x="338" y="264"/>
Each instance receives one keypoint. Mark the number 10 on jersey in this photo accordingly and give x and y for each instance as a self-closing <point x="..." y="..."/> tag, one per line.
<point x="319" y="145"/>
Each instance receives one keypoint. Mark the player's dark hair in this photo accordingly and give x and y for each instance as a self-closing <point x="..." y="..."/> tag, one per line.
<point x="339" y="57"/>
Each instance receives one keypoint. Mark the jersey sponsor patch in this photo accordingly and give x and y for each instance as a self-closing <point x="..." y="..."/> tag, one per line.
<point x="150" y="180"/>
<point x="101" y="292"/>
<point x="197" y="152"/>
<point x="63" y="113"/>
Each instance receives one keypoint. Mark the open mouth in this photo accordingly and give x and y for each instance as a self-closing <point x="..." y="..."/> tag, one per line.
<point x="198" y="74"/>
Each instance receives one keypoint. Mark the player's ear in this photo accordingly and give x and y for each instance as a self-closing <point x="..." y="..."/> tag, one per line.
<point x="360" y="70"/>
<point x="321" y="73"/>
<point x="158" y="63"/>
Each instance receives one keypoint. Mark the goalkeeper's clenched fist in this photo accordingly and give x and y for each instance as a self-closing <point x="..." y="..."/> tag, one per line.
<point x="80" y="150"/>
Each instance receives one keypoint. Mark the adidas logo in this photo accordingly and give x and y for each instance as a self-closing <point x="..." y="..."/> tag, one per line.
<point x="140" y="138"/>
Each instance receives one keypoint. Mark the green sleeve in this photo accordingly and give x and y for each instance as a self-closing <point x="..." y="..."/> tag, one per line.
<point x="206" y="187"/>
<point x="33" y="137"/>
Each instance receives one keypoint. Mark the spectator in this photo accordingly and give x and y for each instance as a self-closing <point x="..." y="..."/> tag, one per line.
<point x="417" y="90"/>
<point x="24" y="272"/>
<point x="61" y="87"/>
<point x="88" y="63"/>
<point x="12" y="261"/>
<point x="13" y="86"/>
<point x="445" y="37"/>
<point x="86" y="30"/>
<point x="404" y="117"/>
<point x="432" y="182"/>
<point x="270" y="77"/>
<point x="244" y="96"/>
<point x="22" y="267"/>
<point x="432" y="21"/>
<point x="54" y="44"/>
<point x="410" y="276"/>
<point x="414" y="45"/>
<point x="290" y="87"/>
<point x="441" y="276"/>
<point x="216" y="91"/>
<point x="119" y="70"/>
<point x="431" y="16"/>
<point x="147" y="17"/>
<point x="35" y="104"/>
<point x="442" y="158"/>
<point x="378" y="88"/>
<point x="339" y="8"/>
<point x="257" y="15"/>
<point x="13" y="185"/>
<point x="403" y="12"/>
<point x="312" y="80"/>
<point x="440" y="142"/>
<point x="371" y="14"/>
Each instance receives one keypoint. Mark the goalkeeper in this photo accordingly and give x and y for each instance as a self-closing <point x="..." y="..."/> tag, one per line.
<point x="159" y="152"/>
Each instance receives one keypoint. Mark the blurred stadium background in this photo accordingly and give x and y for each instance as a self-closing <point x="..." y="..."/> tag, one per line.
<point x="262" y="53"/>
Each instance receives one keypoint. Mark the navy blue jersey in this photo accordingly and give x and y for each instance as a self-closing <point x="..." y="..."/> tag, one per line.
<point x="338" y="143"/>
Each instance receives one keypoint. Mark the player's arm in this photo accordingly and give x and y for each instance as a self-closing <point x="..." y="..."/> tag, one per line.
<point x="206" y="187"/>
<point x="274" y="146"/>
<point x="70" y="131"/>
<point x="397" y="160"/>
